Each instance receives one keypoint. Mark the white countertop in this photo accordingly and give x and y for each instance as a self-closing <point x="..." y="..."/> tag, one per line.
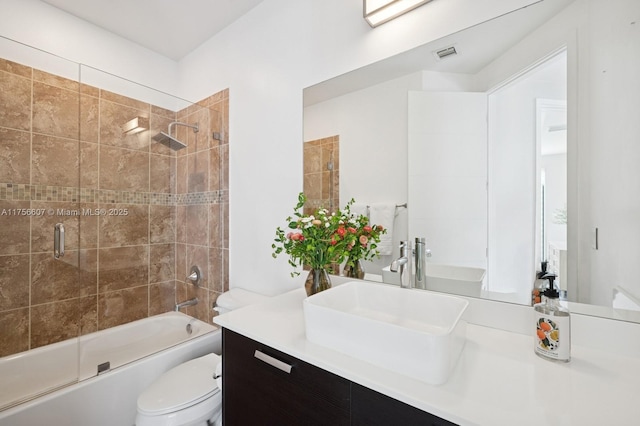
<point x="498" y="380"/>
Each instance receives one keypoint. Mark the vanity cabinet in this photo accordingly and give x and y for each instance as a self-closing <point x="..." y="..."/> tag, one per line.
<point x="268" y="387"/>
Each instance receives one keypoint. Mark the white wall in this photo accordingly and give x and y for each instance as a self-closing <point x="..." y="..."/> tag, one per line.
<point x="266" y="59"/>
<point x="45" y="27"/>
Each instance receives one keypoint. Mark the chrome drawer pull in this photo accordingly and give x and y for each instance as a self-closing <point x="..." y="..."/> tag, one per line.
<point x="273" y="362"/>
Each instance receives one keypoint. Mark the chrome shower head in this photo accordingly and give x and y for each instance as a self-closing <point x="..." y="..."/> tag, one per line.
<point x="168" y="141"/>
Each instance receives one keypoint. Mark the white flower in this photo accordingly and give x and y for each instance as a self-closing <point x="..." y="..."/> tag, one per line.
<point x="307" y="219"/>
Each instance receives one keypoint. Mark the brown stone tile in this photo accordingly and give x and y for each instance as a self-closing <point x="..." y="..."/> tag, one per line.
<point x="124" y="169"/>
<point x="163" y="112"/>
<point x="123" y="100"/>
<point x="112" y="117"/>
<point x="89" y="165"/>
<point x="14" y="228"/>
<point x="181" y="263"/>
<point x="89" y="118"/>
<point x="225" y="224"/>
<point x="58" y="321"/>
<point x="197" y="224"/>
<point x="181" y="174"/>
<point x="224" y="165"/>
<point x="201" y="140"/>
<point x="15" y="331"/>
<point x="225" y="269"/>
<point x="15" y="157"/>
<point x="123" y="267"/>
<point x="89" y="90"/>
<point x="198" y="172"/>
<point x="216" y="271"/>
<point x="127" y="226"/>
<point x="15" y="68"/>
<point x="312" y="158"/>
<point x="55" y="111"/>
<point x="14" y="282"/>
<point x="162" y="174"/>
<point x="55" y="80"/>
<point x="65" y="278"/>
<point x="181" y="224"/>
<point x="15" y="101"/>
<point x="215" y="169"/>
<point x="162" y="261"/>
<point x="162" y="297"/>
<point x="216" y="227"/>
<point x="122" y="306"/>
<point x="54" y="161"/>
<point x="162" y="224"/>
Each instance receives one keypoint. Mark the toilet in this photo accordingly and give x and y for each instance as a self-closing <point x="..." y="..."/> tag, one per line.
<point x="189" y="394"/>
<point x="237" y="298"/>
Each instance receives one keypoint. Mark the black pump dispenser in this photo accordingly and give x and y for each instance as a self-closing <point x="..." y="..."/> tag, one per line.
<point x="552" y="339"/>
<point x="550" y="291"/>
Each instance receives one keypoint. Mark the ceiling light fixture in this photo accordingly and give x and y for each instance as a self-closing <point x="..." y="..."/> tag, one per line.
<point x="136" y="125"/>
<point x="377" y="12"/>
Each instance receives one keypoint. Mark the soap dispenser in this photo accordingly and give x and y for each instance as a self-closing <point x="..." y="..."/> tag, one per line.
<point x="539" y="284"/>
<point x="552" y="339"/>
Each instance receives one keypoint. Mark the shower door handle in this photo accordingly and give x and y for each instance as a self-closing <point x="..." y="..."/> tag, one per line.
<point x="58" y="241"/>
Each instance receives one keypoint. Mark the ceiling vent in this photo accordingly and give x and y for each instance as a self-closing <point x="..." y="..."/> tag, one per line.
<point x="447" y="51"/>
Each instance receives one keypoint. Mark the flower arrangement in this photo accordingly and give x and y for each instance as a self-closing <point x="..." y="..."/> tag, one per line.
<point x="366" y="241"/>
<point x="321" y="239"/>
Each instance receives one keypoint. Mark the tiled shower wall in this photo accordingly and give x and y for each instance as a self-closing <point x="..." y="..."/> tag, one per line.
<point x="157" y="211"/>
<point x="321" y="168"/>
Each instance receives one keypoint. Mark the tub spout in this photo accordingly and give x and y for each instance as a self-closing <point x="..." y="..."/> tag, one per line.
<point x="189" y="302"/>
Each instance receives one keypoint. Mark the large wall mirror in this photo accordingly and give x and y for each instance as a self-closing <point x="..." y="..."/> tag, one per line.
<point x="512" y="142"/>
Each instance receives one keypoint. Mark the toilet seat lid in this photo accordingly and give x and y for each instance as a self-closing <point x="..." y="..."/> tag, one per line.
<point x="181" y="387"/>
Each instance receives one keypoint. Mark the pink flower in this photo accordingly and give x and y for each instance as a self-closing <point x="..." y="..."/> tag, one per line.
<point x="367" y="228"/>
<point x="352" y="230"/>
<point x="363" y="240"/>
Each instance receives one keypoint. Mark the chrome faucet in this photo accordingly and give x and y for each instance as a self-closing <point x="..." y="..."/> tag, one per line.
<point x="419" y="253"/>
<point x="189" y="302"/>
<point x="403" y="265"/>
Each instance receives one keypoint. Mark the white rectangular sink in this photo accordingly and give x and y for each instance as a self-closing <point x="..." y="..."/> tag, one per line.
<point x="411" y="332"/>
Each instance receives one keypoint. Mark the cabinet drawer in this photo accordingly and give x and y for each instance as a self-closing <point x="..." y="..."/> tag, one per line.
<point x="371" y="408"/>
<point x="257" y="392"/>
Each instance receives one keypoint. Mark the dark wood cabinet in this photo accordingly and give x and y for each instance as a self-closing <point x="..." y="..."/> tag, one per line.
<point x="263" y="386"/>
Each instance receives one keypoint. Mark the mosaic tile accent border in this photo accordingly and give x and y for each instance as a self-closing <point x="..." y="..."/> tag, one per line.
<point x="27" y="192"/>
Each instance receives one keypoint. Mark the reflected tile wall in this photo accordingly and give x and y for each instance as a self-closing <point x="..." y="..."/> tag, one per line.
<point x="137" y="214"/>
<point x="321" y="184"/>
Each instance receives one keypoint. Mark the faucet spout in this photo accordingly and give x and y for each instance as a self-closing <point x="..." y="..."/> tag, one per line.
<point x="190" y="302"/>
<point x="402" y="265"/>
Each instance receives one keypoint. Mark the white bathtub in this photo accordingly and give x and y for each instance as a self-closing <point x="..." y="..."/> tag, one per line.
<point x="137" y="353"/>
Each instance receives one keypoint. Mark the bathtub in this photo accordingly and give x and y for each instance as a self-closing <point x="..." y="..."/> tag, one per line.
<point x="96" y="379"/>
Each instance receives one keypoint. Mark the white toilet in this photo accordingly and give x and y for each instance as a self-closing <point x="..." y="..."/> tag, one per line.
<point x="236" y="298"/>
<point x="190" y="394"/>
<point x="187" y="395"/>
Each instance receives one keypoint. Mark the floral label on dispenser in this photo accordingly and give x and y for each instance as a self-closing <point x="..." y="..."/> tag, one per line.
<point x="549" y="339"/>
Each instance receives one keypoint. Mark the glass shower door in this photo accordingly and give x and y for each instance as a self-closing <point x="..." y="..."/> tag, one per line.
<point x="42" y="301"/>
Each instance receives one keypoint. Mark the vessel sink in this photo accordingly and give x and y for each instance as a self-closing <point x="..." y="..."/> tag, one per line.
<point x="408" y="331"/>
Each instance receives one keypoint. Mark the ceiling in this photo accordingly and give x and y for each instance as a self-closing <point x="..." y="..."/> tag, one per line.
<point x="476" y="47"/>
<point x="172" y="28"/>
